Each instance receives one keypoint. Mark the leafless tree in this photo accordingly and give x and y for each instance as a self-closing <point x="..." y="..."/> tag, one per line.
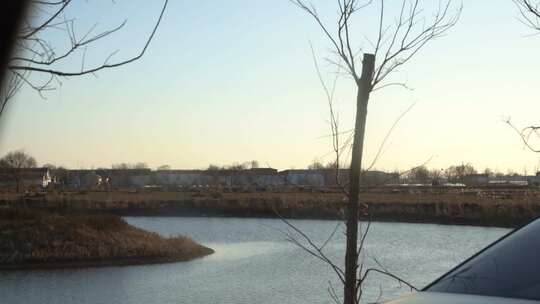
<point x="14" y="162"/>
<point x="316" y="166"/>
<point x="455" y="174"/>
<point x="530" y="13"/>
<point x="396" y="44"/>
<point x="129" y="166"/>
<point x="419" y="175"/>
<point x="164" y="167"/>
<point x="42" y="64"/>
<point x="254" y="164"/>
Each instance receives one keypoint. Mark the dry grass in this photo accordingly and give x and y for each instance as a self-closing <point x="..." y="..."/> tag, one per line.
<point x="386" y="195"/>
<point x="29" y="237"/>
<point x="487" y="206"/>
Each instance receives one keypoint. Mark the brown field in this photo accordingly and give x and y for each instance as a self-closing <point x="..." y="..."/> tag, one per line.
<point x="498" y="206"/>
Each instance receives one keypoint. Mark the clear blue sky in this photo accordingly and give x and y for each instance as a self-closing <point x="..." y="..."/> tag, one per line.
<point x="232" y="81"/>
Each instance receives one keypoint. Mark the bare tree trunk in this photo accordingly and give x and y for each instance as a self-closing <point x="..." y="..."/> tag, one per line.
<point x="351" y="262"/>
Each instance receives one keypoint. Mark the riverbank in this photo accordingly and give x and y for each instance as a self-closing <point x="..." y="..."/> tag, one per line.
<point x="34" y="239"/>
<point x="480" y="207"/>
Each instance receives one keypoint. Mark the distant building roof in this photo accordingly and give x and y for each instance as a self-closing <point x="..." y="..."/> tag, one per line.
<point x="179" y="171"/>
<point x="263" y="170"/>
<point x="24" y="170"/>
<point x="81" y="171"/>
<point x="302" y="171"/>
<point x="123" y="171"/>
<point x="477" y="175"/>
<point x="6" y="174"/>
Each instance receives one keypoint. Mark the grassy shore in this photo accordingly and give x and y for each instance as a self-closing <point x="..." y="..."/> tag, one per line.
<point x="504" y="207"/>
<point x="31" y="239"/>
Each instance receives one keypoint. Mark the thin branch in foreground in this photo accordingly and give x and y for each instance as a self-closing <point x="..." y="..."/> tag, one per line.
<point x="370" y="270"/>
<point x="529" y="12"/>
<point x="39" y="55"/>
<point x="310" y="247"/>
<point x="525" y="134"/>
<point x="98" y="68"/>
<point x="387" y="136"/>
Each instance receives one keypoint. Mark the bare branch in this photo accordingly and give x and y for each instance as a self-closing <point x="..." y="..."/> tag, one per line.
<point x="525" y="134"/>
<point x="37" y="29"/>
<point x="310" y="247"/>
<point x="409" y="38"/>
<point x="389" y="274"/>
<point x="406" y="39"/>
<point x="333" y="294"/>
<point x="392" y="84"/>
<point x="530" y="13"/>
<point x="37" y="55"/>
<point x="98" y="68"/>
<point x="341" y="44"/>
<point x="387" y="136"/>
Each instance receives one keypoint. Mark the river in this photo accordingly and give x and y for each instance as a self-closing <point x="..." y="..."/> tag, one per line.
<point x="254" y="263"/>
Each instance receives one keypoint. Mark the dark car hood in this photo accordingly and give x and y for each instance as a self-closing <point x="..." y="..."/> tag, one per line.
<point x="453" y="298"/>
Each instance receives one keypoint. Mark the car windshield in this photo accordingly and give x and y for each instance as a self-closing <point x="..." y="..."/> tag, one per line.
<point x="509" y="268"/>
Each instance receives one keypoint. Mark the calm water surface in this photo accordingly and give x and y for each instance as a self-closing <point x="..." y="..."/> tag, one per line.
<point x="254" y="263"/>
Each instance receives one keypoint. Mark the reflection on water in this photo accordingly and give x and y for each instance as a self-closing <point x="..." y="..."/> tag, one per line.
<point x="242" y="250"/>
<point x="253" y="263"/>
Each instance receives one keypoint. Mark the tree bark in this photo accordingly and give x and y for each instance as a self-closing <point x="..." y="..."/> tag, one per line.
<point x="351" y="257"/>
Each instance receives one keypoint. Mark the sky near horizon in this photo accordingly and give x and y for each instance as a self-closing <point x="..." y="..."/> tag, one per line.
<point x="233" y="81"/>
